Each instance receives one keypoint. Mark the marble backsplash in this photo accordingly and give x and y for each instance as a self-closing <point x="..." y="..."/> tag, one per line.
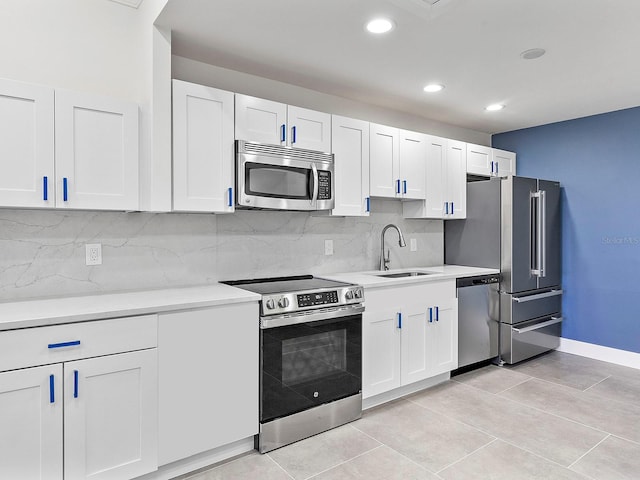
<point x="42" y="252"/>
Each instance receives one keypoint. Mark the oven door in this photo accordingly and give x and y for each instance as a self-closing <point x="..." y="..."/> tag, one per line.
<point x="308" y="364"/>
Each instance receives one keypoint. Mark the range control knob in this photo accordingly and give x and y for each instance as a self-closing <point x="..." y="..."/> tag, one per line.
<point x="349" y="294"/>
<point x="270" y="304"/>
<point x="283" y="302"/>
<point x="358" y="293"/>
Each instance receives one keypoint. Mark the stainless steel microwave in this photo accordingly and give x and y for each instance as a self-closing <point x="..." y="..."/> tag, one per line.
<point x="283" y="178"/>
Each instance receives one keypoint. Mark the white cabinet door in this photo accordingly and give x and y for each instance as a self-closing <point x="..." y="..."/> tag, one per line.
<point x="26" y="145"/>
<point x="96" y="152"/>
<point x="479" y="160"/>
<point x="413" y="160"/>
<point x="414" y="351"/>
<point x="111" y="416"/>
<point x="504" y="162"/>
<point x="31" y="423"/>
<point x="260" y="120"/>
<point x="208" y="363"/>
<point x="456" y="179"/>
<point x="308" y="129"/>
<point x="384" y="164"/>
<point x="381" y="337"/>
<point x="436" y="174"/>
<point x="203" y="149"/>
<point x="442" y="344"/>
<point x="350" y="145"/>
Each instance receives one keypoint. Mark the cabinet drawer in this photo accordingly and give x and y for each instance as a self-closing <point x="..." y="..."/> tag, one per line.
<point x="429" y="292"/>
<point x="29" y="347"/>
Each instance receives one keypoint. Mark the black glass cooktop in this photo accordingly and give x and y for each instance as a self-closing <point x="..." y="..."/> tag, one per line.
<point x="267" y="286"/>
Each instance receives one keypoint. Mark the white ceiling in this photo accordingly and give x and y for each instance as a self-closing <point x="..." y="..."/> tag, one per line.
<point x="473" y="47"/>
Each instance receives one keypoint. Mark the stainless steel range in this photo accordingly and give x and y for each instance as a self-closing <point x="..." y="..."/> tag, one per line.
<point x="310" y="356"/>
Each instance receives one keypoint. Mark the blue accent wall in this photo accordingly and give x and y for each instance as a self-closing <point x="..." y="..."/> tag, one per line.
<point x="597" y="161"/>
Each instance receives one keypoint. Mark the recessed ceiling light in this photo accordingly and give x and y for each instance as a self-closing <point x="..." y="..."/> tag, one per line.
<point x="494" y="107"/>
<point x="532" y="53"/>
<point x="433" y="87"/>
<point x="380" y="25"/>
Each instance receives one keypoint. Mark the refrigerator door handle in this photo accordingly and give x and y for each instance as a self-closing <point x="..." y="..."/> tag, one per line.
<point x="538" y="326"/>
<point x="542" y="229"/>
<point x="536" y="235"/>
<point x="529" y="298"/>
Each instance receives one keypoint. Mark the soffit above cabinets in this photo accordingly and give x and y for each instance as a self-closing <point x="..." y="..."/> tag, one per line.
<point x="472" y="47"/>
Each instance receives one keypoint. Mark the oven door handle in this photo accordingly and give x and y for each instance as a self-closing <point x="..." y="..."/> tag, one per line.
<point x="283" y="321"/>
<point x="314" y="187"/>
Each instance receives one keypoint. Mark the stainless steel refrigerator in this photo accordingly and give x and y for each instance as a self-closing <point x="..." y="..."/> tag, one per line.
<point x="514" y="224"/>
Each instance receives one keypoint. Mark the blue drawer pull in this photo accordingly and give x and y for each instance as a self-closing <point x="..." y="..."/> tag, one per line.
<point x="430" y="314"/>
<point x="446" y="208"/>
<point x="368" y="204"/>
<point x="437" y="314"/>
<point x="496" y="168"/>
<point x="230" y="193"/>
<point x="451" y="208"/>
<point x="64" y="344"/>
<point x="75" y="384"/>
<point x="398" y="186"/>
<point x="404" y="186"/>
<point x="45" y="188"/>
<point x="293" y="134"/>
<point x="65" y="190"/>
<point x="283" y="132"/>
<point x="491" y="167"/>
<point x="399" y="320"/>
<point x="52" y="395"/>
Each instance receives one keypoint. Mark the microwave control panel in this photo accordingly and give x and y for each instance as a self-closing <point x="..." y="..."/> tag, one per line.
<point x="324" y="185"/>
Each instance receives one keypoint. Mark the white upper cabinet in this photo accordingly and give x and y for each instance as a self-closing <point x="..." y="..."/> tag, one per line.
<point x="203" y="149"/>
<point x="413" y="160"/>
<point x="490" y="162"/>
<point x="26" y="145"/>
<point x="504" y="162"/>
<point x="350" y="146"/>
<point x="446" y="176"/>
<point x="96" y="152"/>
<point x="385" y="161"/>
<point x="265" y="121"/>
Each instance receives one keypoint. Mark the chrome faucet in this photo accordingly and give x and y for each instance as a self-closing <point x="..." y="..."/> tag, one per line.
<point x="384" y="261"/>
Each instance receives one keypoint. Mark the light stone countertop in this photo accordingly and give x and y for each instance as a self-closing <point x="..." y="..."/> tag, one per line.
<point x="54" y="311"/>
<point x="371" y="278"/>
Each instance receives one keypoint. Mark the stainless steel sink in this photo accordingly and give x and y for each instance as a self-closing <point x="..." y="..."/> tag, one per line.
<point x="402" y="274"/>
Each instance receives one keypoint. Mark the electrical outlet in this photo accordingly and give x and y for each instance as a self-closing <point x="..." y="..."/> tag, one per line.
<point x="328" y="247"/>
<point x="413" y="245"/>
<point x="93" y="253"/>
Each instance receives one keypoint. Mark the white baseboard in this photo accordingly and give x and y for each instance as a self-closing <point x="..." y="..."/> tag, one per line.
<point x="200" y="460"/>
<point x="598" y="352"/>
<point x="396" y="393"/>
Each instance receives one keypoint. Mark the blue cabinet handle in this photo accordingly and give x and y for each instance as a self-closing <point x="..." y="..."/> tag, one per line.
<point x="451" y="208"/>
<point x="65" y="190"/>
<point x="52" y="394"/>
<point x="230" y="193"/>
<point x="64" y="344"/>
<point x="430" y="314"/>
<point x="399" y="319"/>
<point x="404" y="187"/>
<point x="437" y="314"/>
<point x="75" y="384"/>
<point x="293" y="135"/>
<point x="283" y="133"/>
<point x="491" y="167"/>
<point x="398" y="186"/>
<point x="446" y="208"/>
<point x="368" y="204"/>
<point x="45" y="188"/>
<point x="496" y="168"/>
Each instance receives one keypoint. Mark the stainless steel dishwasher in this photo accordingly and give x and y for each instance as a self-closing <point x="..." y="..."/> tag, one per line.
<point x="478" y="318"/>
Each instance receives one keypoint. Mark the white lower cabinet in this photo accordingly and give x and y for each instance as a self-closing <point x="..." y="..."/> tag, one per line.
<point x="410" y="333"/>
<point x="91" y="418"/>
<point x="208" y="384"/>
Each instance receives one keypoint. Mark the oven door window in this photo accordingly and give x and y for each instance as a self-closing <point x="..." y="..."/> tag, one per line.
<point x="277" y="181"/>
<point x="309" y="364"/>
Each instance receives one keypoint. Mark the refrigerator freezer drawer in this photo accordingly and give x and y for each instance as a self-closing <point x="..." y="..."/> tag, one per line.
<point x="520" y="308"/>
<point x="529" y="339"/>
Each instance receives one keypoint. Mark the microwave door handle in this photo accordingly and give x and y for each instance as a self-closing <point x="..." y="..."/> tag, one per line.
<point x="314" y="187"/>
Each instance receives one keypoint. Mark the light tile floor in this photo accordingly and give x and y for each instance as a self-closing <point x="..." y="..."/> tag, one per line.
<point x="558" y="416"/>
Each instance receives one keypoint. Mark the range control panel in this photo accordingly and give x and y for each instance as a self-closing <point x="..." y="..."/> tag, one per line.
<point x="285" y="303"/>
<point x="322" y="298"/>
